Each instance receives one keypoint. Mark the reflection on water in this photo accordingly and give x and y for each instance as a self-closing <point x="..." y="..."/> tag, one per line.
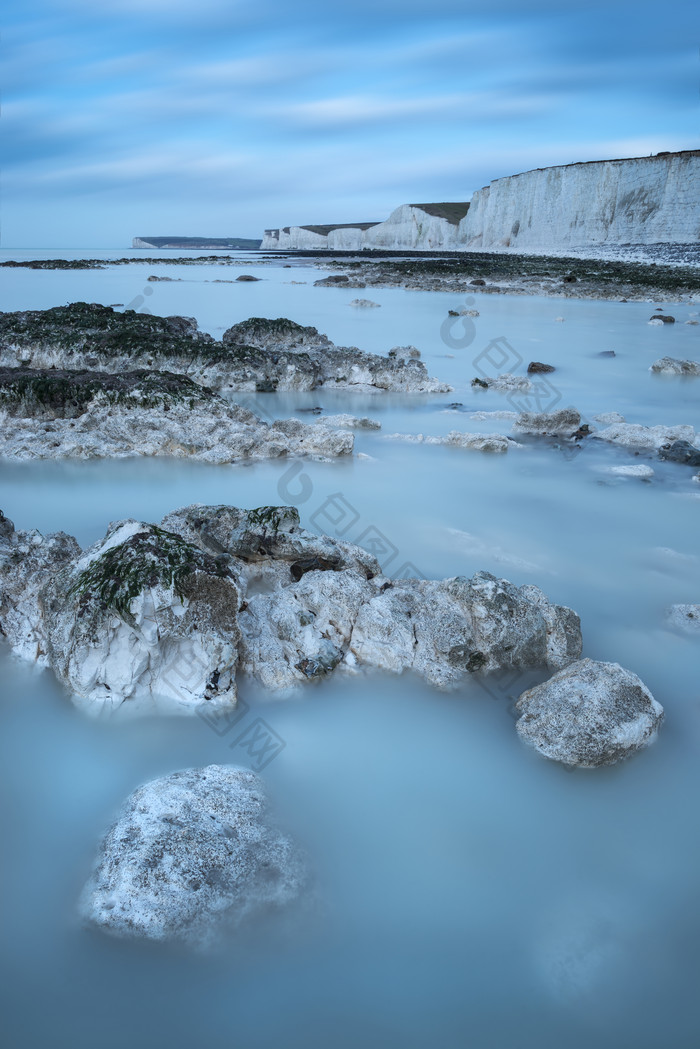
<point x="475" y="894"/>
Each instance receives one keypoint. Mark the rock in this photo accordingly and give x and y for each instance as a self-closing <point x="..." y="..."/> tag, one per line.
<point x="28" y="560"/>
<point x="639" y="470"/>
<point x="480" y="442"/>
<point x="90" y="415"/>
<point x="537" y="368"/>
<point x="246" y="277"/>
<point x="405" y="352"/>
<point x="478" y="283"/>
<point x="350" y="422"/>
<point x="564" y="422"/>
<point x="364" y="303"/>
<point x="506" y="383"/>
<point x="691" y="321"/>
<point x="655" y="322"/>
<point x="671" y="366"/>
<point x="608" y="418"/>
<point x="259" y="354"/>
<point x="634" y="435"/>
<point x="468" y="313"/>
<point x="144" y="617"/>
<point x="190" y="857"/>
<point x="685" y="618"/>
<point x="589" y="714"/>
<point x="336" y="278"/>
<point x="680" y="452"/>
<point x="664" y="318"/>
<point x="606" y="353"/>
<point x="559" y="320"/>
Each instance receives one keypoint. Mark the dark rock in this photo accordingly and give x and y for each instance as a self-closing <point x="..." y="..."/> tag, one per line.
<point x="480" y="383"/>
<point x="606" y="353"/>
<point x="315" y="564"/>
<point x="569" y="279"/>
<point x="478" y="283"/>
<point x="680" y="452"/>
<point x="246" y="276"/>
<point x="666" y="318"/>
<point x="537" y="368"/>
<point x="6" y="526"/>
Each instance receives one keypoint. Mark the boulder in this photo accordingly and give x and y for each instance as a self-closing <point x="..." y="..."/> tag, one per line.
<point x="563" y="423"/>
<point x="191" y="856"/>
<point x="147" y="618"/>
<point x="589" y="714"/>
<point x="537" y="368"/>
<point x="672" y="366"/>
<point x="680" y="452"/>
<point x="650" y="438"/>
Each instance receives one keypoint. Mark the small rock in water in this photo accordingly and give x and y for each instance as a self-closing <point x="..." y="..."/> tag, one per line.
<point x="606" y="353"/>
<point x="639" y="470"/>
<point x="190" y="856"/>
<point x="680" y="452"/>
<point x="364" y="303"/>
<point x="560" y="320"/>
<point x="608" y="418"/>
<point x="537" y="368"/>
<point x="671" y="366"/>
<point x="664" y="318"/>
<point x="589" y="714"/>
<point x="246" y="277"/>
<point x="564" y="422"/>
<point x="478" y="283"/>
<point x="685" y="618"/>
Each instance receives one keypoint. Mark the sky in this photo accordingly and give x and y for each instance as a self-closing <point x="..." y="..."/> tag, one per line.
<point x="125" y="118"/>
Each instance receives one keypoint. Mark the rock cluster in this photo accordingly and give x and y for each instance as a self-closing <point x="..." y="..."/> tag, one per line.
<point x="161" y="617"/>
<point x="255" y="355"/>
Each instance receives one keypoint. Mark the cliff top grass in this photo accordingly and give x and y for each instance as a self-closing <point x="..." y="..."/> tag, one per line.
<point x="453" y="211"/>
<point x="147" y="559"/>
<point x="67" y="394"/>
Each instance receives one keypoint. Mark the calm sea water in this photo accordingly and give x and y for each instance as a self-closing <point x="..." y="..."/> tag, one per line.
<point x="475" y="893"/>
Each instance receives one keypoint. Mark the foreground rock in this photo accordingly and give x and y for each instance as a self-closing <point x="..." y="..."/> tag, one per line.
<point x="671" y="366"/>
<point x="159" y="618"/>
<point x="680" y="452"/>
<point x="92" y="415"/>
<point x="191" y="856"/>
<point x="256" y="355"/>
<point x="589" y="714"/>
<point x="142" y="618"/>
<point x="650" y="438"/>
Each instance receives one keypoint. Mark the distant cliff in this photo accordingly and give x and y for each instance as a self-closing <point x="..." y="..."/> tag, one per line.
<point x="195" y="243"/>
<point x="645" y="200"/>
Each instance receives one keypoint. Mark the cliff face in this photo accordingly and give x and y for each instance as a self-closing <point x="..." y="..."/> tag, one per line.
<point x="642" y="201"/>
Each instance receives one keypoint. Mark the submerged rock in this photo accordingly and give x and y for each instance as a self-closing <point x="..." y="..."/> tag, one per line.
<point x="589" y="714"/>
<point x="564" y="422"/>
<point x="145" y="617"/>
<point x="191" y="856"/>
<point x="480" y="442"/>
<point x="635" y="435"/>
<point x="685" y="618"/>
<point x="672" y="366"/>
<point x="506" y="383"/>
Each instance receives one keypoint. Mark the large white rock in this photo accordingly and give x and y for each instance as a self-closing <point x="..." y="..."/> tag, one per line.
<point x="685" y="618"/>
<point x="191" y="856"/>
<point x="589" y="714"/>
<point x="635" y="435"/>
<point x="143" y="618"/>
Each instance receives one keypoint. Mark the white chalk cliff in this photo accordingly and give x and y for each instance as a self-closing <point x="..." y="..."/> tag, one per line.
<point x="644" y="200"/>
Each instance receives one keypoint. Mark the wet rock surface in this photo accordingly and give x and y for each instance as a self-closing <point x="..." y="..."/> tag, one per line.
<point x="256" y="355"/>
<point x="192" y="856"/>
<point x="589" y="714"/>
<point x="672" y="366"/>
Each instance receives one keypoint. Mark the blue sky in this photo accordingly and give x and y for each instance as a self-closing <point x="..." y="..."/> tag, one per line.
<point x="220" y="117"/>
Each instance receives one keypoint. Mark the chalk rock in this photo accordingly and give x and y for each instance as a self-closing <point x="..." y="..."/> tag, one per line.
<point x="672" y="366"/>
<point x="146" y="618"/>
<point x="589" y="714"/>
<point x="480" y="442"/>
<point x="349" y="422"/>
<point x="564" y="422"/>
<point x="27" y="561"/>
<point x="191" y="856"/>
<point x="608" y="418"/>
<point x="635" y="435"/>
<point x="685" y="618"/>
<point x="640" y="470"/>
